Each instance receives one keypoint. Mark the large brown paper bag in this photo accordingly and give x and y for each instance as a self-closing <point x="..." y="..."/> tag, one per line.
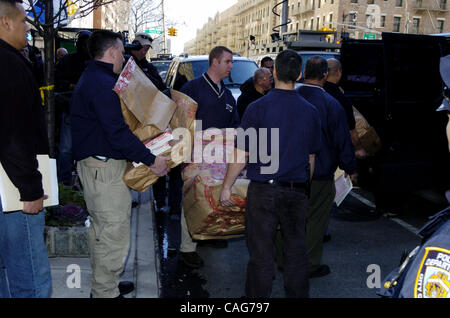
<point x="141" y="97"/>
<point x="367" y="135"/>
<point x="206" y="218"/>
<point x="149" y="113"/>
<point x="141" y="178"/>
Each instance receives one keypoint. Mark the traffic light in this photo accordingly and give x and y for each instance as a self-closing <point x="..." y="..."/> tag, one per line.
<point x="172" y="32"/>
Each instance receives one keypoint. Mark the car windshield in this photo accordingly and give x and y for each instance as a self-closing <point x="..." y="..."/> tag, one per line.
<point x="242" y="71"/>
<point x="161" y="66"/>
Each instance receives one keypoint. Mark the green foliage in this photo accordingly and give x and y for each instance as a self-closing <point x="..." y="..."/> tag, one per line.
<point x="59" y="216"/>
<point x="67" y="195"/>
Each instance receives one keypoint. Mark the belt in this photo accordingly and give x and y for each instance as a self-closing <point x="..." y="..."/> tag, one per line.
<point x="287" y="184"/>
<point x="101" y="158"/>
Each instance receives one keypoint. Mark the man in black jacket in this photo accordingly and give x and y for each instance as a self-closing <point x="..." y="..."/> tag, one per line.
<point x="175" y="179"/>
<point x="68" y="72"/>
<point x="139" y="55"/>
<point x="22" y="136"/>
<point x="254" y="88"/>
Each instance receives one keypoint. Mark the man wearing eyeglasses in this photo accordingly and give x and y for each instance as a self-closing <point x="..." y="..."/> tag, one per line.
<point x="254" y="88"/>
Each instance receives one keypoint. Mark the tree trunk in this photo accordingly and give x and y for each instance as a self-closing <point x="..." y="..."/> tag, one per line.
<point x="49" y="78"/>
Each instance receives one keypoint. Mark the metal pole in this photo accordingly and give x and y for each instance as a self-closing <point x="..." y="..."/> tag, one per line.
<point x="163" y="27"/>
<point x="284" y="17"/>
<point x="407" y="17"/>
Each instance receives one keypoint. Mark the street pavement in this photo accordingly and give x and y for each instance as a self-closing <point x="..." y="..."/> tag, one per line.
<point x="364" y="248"/>
<point x="71" y="277"/>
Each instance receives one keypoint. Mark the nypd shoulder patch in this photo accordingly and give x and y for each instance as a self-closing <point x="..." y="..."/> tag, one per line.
<point x="433" y="276"/>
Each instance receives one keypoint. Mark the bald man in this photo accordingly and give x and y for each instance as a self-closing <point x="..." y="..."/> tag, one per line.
<point x="331" y="87"/>
<point x="60" y="53"/>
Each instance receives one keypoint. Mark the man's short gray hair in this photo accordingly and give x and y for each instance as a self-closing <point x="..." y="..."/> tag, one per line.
<point x="333" y="66"/>
<point x="260" y="73"/>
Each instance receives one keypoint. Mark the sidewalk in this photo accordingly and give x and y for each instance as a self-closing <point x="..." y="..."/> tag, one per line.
<point x="72" y="276"/>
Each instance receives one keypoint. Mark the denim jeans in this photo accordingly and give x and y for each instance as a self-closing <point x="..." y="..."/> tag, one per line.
<point x="24" y="265"/>
<point x="267" y="207"/>
<point x="65" y="159"/>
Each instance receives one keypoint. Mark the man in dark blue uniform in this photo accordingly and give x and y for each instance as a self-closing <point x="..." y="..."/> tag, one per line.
<point x="331" y="87"/>
<point x="216" y="109"/>
<point x="337" y="150"/>
<point x="102" y="143"/>
<point x="279" y="196"/>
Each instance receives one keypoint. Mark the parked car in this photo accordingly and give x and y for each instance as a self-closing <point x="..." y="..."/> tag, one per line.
<point x="162" y="66"/>
<point x="184" y="69"/>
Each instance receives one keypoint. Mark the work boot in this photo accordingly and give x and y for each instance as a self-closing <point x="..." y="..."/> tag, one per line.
<point x="190" y="259"/>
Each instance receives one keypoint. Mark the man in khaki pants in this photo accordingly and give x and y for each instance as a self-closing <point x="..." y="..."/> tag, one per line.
<point x="102" y="142"/>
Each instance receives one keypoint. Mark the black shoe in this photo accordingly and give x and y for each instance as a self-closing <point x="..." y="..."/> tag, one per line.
<point x="214" y="243"/>
<point x="125" y="288"/>
<point x="322" y="270"/>
<point x="190" y="259"/>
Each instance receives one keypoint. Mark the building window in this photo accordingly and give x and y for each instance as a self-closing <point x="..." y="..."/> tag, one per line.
<point x="353" y="1"/>
<point x="331" y="20"/>
<point x="398" y="3"/>
<point x="383" y="21"/>
<point x="440" y="26"/>
<point x="443" y="4"/>
<point x="352" y="19"/>
<point x="396" y="27"/>
<point x="416" y="25"/>
<point x="370" y="1"/>
<point x="419" y="3"/>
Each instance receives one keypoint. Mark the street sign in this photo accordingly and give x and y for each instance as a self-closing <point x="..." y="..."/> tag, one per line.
<point x="154" y="31"/>
<point x="369" y="36"/>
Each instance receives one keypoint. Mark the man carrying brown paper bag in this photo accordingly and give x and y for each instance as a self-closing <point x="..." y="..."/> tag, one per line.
<point x="216" y="109"/>
<point x="102" y="142"/>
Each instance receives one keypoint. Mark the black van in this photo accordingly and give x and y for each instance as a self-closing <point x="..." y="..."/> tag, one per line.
<point x="395" y="83"/>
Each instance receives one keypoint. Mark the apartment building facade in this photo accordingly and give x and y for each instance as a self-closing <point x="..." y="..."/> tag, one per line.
<point x="247" y="26"/>
<point x="112" y="16"/>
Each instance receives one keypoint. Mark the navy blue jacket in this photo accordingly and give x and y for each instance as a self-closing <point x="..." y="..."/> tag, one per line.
<point x="337" y="148"/>
<point x="98" y="126"/>
<point x="215" y="109"/>
<point x="335" y="91"/>
<point x="298" y="125"/>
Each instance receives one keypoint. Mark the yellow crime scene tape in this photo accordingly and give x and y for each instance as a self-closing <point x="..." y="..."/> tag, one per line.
<point x="45" y="88"/>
